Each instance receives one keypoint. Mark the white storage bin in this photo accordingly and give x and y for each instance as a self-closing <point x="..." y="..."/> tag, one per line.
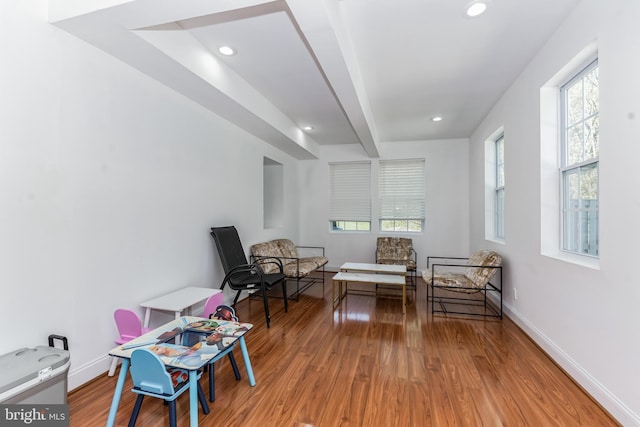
<point x="34" y="375"/>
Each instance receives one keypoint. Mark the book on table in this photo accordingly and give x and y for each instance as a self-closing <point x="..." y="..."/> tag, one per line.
<point x="202" y="339"/>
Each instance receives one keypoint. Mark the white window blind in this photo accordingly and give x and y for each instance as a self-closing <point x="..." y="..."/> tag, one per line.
<point x="350" y="191"/>
<point x="402" y="189"/>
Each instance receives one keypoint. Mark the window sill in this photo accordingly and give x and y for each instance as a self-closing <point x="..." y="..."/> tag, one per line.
<point x="495" y="240"/>
<point x="581" y="260"/>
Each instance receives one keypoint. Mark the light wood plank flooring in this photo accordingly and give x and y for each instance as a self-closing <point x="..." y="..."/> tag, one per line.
<point x="367" y="365"/>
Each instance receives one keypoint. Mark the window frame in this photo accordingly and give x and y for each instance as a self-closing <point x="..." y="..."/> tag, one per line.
<point x="499" y="188"/>
<point x="572" y="238"/>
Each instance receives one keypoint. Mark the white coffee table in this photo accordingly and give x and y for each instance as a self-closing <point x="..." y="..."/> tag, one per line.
<point x="341" y="281"/>
<point x="363" y="267"/>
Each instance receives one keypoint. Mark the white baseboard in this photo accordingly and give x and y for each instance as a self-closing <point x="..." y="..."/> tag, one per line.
<point x="601" y="394"/>
<point x="87" y="372"/>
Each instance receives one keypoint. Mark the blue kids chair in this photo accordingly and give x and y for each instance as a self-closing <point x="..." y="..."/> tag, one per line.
<point x="151" y="378"/>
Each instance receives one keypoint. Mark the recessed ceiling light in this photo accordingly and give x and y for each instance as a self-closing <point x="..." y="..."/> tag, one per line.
<point x="436" y="119"/>
<point x="475" y="8"/>
<point x="307" y="128"/>
<point x="227" y="50"/>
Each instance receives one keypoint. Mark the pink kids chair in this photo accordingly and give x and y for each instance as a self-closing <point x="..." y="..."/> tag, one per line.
<point x="210" y="309"/>
<point x="212" y="303"/>
<point x="129" y="327"/>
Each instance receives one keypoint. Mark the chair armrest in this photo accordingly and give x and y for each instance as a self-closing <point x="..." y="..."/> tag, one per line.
<point x="486" y="281"/>
<point x="429" y="258"/>
<point x="446" y="265"/>
<point x="244" y="268"/>
<point x="461" y="265"/>
<point x="252" y="269"/>
<point x="261" y="260"/>
<point x="274" y="258"/>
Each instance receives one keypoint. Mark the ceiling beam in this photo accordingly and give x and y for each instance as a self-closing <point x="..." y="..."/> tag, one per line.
<point x="180" y="62"/>
<point x="319" y="21"/>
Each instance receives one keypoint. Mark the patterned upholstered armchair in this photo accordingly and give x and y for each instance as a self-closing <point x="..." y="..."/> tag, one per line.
<point x="398" y="251"/>
<point x="470" y="279"/>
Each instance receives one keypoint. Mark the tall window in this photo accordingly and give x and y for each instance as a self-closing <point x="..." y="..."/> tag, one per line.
<point x="499" y="198"/>
<point x="350" y="196"/>
<point x="579" y="169"/>
<point x="401" y="189"/>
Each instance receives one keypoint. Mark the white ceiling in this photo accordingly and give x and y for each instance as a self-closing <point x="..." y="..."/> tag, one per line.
<point x="358" y="71"/>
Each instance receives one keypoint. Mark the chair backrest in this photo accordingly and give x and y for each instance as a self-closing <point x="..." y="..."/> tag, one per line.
<point x="277" y="248"/>
<point x="212" y="303"/>
<point x="229" y="247"/>
<point x="128" y="324"/>
<point x="149" y="374"/>
<point x="395" y="250"/>
<point x="478" y="275"/>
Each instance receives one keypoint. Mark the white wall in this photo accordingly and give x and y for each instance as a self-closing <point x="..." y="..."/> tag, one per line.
<point x="447" y="212"/>
<point x="586" y="318"/>
<point x="109" y="183"/>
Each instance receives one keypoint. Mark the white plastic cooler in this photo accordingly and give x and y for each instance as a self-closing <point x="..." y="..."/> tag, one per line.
<point x="34" y="376"/>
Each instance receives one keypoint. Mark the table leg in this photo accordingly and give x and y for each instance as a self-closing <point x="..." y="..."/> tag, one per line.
<point x="178" y="338"/>
<point x="404" y="298"/>
<point x="147" y="317"/>
<point x="115" y="402"/>
<point x="333" y="294"/>
<point x="247" y="361"/>
<point x="193" y="397"/>
<point x="341" y="293"/>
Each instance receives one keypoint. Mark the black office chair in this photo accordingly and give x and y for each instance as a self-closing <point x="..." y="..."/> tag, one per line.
<point x="241" y="275"/>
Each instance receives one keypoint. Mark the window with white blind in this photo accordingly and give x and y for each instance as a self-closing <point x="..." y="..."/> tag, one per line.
<point x="401" y="192"/>
<point x="350" y="196"/>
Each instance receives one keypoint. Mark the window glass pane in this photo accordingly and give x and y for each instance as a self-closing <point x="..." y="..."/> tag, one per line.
<point x="581" y="210"/>
<point x="350" y="226"/>
<point x="581" y="117"/>
<point x="414" y="225"/>
<point x="574" y="147"/>
<point x="500" y="162"/>
<point x="500" y="213"/>
<point x="589" y="183"/>
<point x="399" y="225"/>
<point x="592" y="131"/>
<point x="572" y="188"/>
<point x="591" y="93"/>
<point x="574" y="103"/>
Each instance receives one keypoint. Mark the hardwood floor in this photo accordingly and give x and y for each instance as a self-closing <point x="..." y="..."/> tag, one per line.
<point x="367" y="365"/>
